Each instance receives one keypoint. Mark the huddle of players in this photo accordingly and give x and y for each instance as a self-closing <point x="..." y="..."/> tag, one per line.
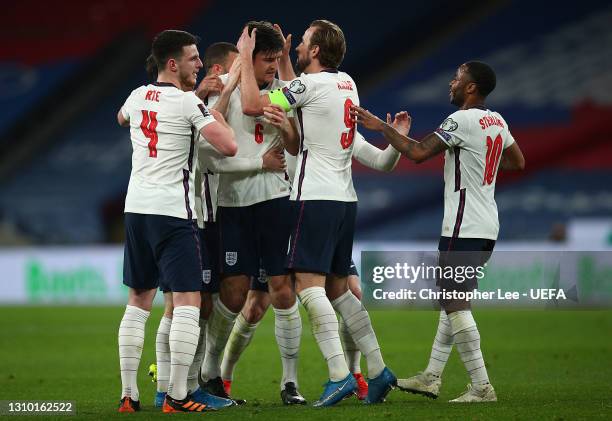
<point x="259" y="211"/>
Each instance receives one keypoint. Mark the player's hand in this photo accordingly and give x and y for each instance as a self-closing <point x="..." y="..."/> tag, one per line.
<point x="401" y="123"/>
<point x="274" y="160"/>
<point x="366" y="119"/>
<point x="286" y="41"/>
<point x="234" y="74"/>
<point x="277" y="117"/>
<point x="209" y="85"/>
<point x="246" y="43"/>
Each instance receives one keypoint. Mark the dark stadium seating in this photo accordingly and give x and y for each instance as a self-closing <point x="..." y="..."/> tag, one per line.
<point x="553" y="89"/>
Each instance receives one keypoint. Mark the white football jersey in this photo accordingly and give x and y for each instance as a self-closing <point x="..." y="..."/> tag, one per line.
<point x="476" y="139"/>
<point x="164" y="122"/>
<point x="254" y="137"/>
<point x="206" y="202"/>
<point x="322" y="101"/>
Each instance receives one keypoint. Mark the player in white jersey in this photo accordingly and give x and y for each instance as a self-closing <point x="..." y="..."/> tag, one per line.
<point x="254" y="220"/>
<point x="322" y="237"/>
<point x="161" y="238"/>
<point x="218" y="60"/>
<point x="258" y="300"/>
<point x="477" y="142"/>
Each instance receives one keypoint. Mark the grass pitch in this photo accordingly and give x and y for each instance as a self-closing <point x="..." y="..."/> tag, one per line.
<point x="552" y="365"/>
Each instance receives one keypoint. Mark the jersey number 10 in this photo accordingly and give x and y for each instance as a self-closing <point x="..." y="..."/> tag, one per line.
<point x="148" y="127"/>
<point x="346" y="139"/>
<point x="494" y="150"/>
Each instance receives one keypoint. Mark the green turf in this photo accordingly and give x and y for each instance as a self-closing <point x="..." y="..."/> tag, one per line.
<point x="544" y="365"/>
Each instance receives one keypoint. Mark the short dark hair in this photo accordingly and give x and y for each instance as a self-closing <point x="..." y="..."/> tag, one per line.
<point x="483" y="75"/>
<point x="332" y="44"/>
<point x="151" y="68"/>
<point x="268" y="39"/>
<point x="217" y="53"/>
<point x="169" y="44"/>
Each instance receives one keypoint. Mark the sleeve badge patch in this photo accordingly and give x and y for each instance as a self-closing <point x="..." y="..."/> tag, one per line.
<point x="297" y="87"/>
<point x="449" y="125"/>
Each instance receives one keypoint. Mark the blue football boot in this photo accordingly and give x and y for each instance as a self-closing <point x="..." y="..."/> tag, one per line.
<point x="379" y="386"/>
<point x="334" y="392"/>
<point x="212" y="401"/>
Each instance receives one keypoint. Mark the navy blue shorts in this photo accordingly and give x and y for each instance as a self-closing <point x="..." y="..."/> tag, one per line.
<point x="461" y="254"/>
<point x="254" y="237"/>
<point x="209" y="238"/>
<point x="159" y="247"/>
<point x="322" y="237"/>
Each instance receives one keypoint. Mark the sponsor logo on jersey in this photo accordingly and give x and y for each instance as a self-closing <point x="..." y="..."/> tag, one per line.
<point x="297" y="87"/>
<point x="231" y="257"/>
<point x="206" y="276"/>
<point x="345" y="85"/>
<point x="449" y="125"/>
<point x="289" y="96"/>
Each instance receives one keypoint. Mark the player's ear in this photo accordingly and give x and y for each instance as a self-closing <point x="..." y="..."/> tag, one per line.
<point x="471" y="88"/>
<point x="315" y="51"/>
<point x="172" y="66"/>
<point x="217" y="69"/>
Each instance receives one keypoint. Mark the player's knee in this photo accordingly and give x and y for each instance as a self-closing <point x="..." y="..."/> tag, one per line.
<point x="283" y="297"/>
<point x="253" y="314"/>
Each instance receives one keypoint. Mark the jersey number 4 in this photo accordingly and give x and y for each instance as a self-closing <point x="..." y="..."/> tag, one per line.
<point x="347" y="138"/>
<point x="494" y="150"/>
<point x="148" y="127"/>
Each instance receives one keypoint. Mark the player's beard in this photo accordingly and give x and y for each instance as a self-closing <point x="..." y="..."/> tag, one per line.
<point x="187" y="81"/>
<point x="301" y="65"/>
<point x="457" y="98"/>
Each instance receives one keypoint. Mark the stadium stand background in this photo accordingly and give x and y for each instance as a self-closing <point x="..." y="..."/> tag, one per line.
<point x="65" y="70"/>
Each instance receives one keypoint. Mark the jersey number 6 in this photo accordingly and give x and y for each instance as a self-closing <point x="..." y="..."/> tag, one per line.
<point x="148" y="127"/>
<point x="258" y="133"/>
<point x="346" y="139"/>
<point x="494" y="149"/>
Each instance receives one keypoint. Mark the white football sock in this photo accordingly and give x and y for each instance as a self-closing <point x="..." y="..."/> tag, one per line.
<point x="324" y="325"/>
<point x="467" y="340"/>
<point x="240" y="337"/>
<point x="184" y="336"/>
<point x="288" y="331"/>
<point x="218" y="329"/>
<point x="359" y="325"/>
<point x="194" y="370"/>
<point x="442" y="346"/>
<point x="162" y="353"/>
<point x="351" y="351"/>
<point x="131" y="339"/>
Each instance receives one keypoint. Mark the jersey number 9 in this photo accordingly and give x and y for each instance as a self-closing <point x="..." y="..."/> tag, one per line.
<point x="346" y="139"/>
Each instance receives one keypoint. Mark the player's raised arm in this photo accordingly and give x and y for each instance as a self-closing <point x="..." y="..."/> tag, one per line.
<point x="278" y="118"/>
<point x="417" y="151"/>
<point x="285" y="68"/>
<point x="252" y="102"/>
<point x="232" y="81"/>
<point x="220" y="135"/>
